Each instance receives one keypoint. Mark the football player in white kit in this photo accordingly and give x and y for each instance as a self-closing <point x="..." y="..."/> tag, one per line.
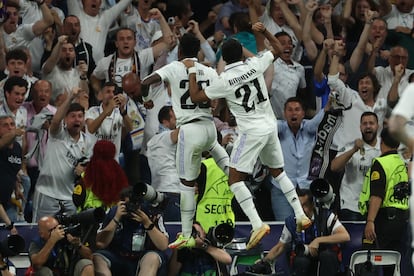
<point x="401" y="114"/>
<point x="242" y="84"/>
<point x="197" y="130"/>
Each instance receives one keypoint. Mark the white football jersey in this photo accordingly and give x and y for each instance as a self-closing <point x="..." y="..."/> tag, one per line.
<point x="405" y="106"/>
<point x="242" y="85"/>
<point x="176" y="75"/>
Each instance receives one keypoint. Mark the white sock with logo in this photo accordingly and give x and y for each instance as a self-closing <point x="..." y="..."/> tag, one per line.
<point x="245" y="199"/>
<point x="187" y="208"/>
<point x="290" y="193"/>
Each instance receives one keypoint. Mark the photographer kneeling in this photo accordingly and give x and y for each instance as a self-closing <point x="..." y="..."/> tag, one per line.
<point x="203" y="259"/>
<point x="53" y="252"/>
<point x="313" y="251"/>
<point x="131" y="240"/>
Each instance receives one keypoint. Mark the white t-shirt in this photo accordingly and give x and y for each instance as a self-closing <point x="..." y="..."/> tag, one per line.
<point x="355" y="170"/>
<point x="273" y="28"/>
<point x="57" y="177"/>
<point x="94" y="29"/>
<point x="62" y="80"/>
<point x="348" y="131"/>
<point x="123" y="66"/>
<point x="242" y="85"/>
<point x="287" y="78"/>
<point x="405" y="106"/>
<point x="144" y="30"/>
<point x="385" y="78"/>
<point x="110" y="129"/>
<point x="21" y="37"/>
<point x="161" y="159"/>
<point x="396" y="18"/>
<point x="176" y="75"/>
<point x="160" y="98"/>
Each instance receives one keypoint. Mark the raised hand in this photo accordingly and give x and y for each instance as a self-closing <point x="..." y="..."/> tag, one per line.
<point x="258" y="27"/>
<point x="370" y="15"/>
<point x="193" y="27"/>
<point x="311" y="6"/>
<point x="155" y="13"/>
<point x="62" y="39"/>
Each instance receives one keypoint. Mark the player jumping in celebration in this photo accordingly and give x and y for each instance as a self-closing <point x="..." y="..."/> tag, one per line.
<point x="242" y="84"/>
<point x="197" y="130"/>
<point x="401" y="114"/>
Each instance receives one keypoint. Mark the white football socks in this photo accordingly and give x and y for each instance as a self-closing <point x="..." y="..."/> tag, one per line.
<point x="290" y="193"/>
<point x="245" y="199"/>
<point x="187" y="208"/>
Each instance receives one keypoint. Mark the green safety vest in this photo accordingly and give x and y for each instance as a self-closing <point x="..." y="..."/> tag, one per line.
<point x="395" y="173"/>
<point x="214" y="207"/>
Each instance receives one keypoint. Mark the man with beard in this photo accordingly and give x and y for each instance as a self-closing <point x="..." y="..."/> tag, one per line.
<point x="67" y="144"/>
<point x="83" y="50"/>
<point x="356" y="160"/>
<point x="59" y="70"/>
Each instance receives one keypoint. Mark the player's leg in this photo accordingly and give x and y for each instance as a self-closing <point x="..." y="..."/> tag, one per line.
<point x="192" y="139"/>
<point x="220" y="156"/>
<point x="272" y="156"/>
<point x="242" y="161"/>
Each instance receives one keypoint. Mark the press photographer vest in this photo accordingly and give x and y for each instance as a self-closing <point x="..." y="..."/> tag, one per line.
<point x="214" y="198"/>
<point x="395" y="173"/>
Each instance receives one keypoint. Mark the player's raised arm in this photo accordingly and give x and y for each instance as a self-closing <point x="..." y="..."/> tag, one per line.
<point x="197" y="94"/>
<point x="274" y="42"/>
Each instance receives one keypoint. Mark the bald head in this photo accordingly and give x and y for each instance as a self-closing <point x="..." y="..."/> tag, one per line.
<point x="131" y="84"/>
<point x="45" y="224"/>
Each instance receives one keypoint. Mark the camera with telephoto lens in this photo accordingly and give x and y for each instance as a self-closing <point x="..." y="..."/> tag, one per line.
<point x="323" y="193"/>
<point x="219" y="235"/>
<point x="148" y="193"/>
<point x="12" y="246"/>
<point x="72" y="223"/>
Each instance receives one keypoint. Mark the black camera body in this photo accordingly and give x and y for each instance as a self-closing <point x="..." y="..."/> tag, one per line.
<point x="72" y="223"/>
<point x="12" y="246"/>
<point x="260" y="268"/>
<point x="220" y="235"/>
<point x="133" y="205"/>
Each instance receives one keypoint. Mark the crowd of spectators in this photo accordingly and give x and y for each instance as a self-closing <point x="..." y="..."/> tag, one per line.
<point x="71" y="75"/>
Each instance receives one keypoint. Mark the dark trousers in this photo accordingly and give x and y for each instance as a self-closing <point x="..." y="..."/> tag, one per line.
<point x="308" y="266"/>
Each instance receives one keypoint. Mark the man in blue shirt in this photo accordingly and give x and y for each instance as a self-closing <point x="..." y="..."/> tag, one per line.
<point x="297" y="137"/>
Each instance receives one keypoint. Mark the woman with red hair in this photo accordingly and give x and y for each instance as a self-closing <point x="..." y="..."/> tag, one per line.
<point x="103" y="179"/>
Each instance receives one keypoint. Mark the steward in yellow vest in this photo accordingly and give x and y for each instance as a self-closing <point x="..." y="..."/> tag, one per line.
<point x="214" y="196"/>
<point x="384" y="198"/>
